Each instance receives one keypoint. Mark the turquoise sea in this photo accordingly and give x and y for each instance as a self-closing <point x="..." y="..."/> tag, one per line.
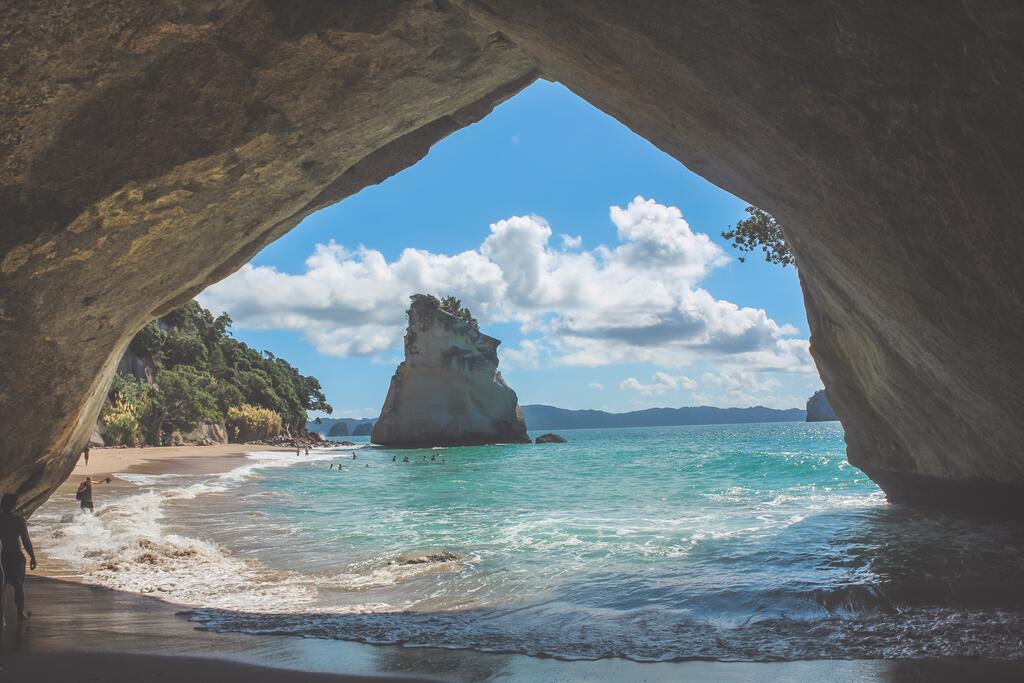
<point x="732" y="542"/>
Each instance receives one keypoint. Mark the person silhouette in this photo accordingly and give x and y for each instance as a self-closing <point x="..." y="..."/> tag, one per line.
<point x="14" y="535"/>
<point x="84" y="493"/>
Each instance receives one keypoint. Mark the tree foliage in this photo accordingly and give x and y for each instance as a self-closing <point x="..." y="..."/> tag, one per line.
<point x="759" y="229"/>
<point x="202" y="373"/>
<point x="453" y="305"/>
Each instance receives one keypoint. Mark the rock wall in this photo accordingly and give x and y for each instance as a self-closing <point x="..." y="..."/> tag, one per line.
<point x="819" y="409"/>
<point x="150" y="149"/>
<point x="447" y="391"/>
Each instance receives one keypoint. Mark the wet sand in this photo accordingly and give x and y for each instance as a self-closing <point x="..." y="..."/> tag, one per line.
<point x="80" y="632"/>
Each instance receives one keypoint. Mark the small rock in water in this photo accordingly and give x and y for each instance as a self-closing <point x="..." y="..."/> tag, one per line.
<point x="443" y="556"/>
<point x="550" y="438"/>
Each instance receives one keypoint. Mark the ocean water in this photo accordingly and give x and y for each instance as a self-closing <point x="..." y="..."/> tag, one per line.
<point x="732" y="542"/>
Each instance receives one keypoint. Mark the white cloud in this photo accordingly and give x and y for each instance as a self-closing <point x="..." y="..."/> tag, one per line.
<point x="571" y="242"/>
<point x="528" y="355"/>
<point x="662" y="383"/>
<point x="636" y="301"/>
<point x="596" y="386"/>
<point x="735" y="387"/>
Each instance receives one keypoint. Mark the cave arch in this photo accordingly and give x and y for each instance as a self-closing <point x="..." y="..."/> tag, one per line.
<point x="150" y="150"/>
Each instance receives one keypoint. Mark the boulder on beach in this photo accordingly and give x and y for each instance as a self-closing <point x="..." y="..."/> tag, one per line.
<point x="550" y="438"/>
<point x="448" y="391"/>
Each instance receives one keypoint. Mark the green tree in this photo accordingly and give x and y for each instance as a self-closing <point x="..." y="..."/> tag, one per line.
<point x="188" y="398"/>
<point x="760" y="230"/>
<point x="453" y="305"/>
<point x="202" y="372"/>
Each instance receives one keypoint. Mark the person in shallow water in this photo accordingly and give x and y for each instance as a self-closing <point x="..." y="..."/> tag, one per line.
<point x="14" y="535"/>
<point x="84" y="493"/>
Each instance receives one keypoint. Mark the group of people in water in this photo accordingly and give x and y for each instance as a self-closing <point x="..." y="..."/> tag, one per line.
<point x="394" y="458"/>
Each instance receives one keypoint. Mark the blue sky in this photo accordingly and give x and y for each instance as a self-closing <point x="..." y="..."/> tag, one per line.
<point x="582" y="325"/>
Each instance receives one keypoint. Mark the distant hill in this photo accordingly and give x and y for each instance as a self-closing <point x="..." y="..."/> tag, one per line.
<point x="327" y="422"/>
<point x="548" y="417"/>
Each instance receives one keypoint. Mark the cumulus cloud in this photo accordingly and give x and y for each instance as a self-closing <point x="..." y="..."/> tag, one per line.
<point x="635" y="301"/>
<point x="571" y="242"/>
<point x="596" y="386"/>
<point x="662" y="383"/>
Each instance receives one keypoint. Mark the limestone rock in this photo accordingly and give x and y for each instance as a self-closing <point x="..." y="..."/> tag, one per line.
<point x="206" y="434"/>
<point x="447" y="391"/>
<point x="819" y="409"/>
<point x="550" y="438"/>
<point x="96" y="438"/>
<point x="363" y="429"/>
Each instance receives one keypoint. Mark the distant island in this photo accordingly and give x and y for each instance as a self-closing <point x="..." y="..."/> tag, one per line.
<point x="819" y="409"/>
<point x="549" y="417"/>
<point x="341" y="426"/>
<point x="543" y="417"/>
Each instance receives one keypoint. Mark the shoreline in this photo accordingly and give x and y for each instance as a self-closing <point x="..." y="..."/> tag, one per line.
<point x="158" y="460"/>
<point x="106" y="636"/>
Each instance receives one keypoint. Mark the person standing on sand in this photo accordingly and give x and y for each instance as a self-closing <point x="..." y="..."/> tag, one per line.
<point x="14" y="535"/>
<point x="85" y="454"/>
<point x="84" y="493"/>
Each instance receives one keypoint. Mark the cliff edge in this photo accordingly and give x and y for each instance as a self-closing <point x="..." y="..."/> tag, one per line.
<point x="447" y="391"/>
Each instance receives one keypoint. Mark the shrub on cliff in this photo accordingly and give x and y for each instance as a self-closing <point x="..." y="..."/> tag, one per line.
<point x="759" y="229"/>
<point x="122" y="422"/>
<point x="250" y="423"/>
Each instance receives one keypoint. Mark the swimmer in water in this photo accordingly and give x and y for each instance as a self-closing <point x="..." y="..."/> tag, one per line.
<point x="394" y="458"/>
<point x="331" y="467"/>
<point x="353" y="455"/>
<point x="406" y="459"/>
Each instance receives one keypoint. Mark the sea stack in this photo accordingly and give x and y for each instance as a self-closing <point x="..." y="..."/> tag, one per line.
<point x="819" y="409"/>
<point x="448" y="391"/>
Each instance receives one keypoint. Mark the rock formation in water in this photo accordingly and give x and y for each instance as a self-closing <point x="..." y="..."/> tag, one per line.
<point x="150" y="149"/>
<point x="550" y="438"/>
<point x="339" y="428"/>
<point x="819" y="409"/>
<point x="448" y="391"/>
<point x="362" y="429"/>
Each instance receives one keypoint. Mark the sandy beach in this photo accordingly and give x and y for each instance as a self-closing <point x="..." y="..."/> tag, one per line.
<point x="104" y="462"/>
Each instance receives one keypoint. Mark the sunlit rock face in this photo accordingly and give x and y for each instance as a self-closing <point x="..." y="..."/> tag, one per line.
<point x="150" y="149"/>
<point x="447" y="391"/>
